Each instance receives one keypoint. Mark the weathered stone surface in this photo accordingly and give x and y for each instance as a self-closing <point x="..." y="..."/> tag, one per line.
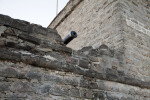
<point x="98" y="95"/>
<point x="35" y="65"/>
<point x="54" y="65"/>
<point x="59" y="91"/>
<point x="7" y="55"/>
<point x="34" y="75"/>
<point x="4" y="87"/>
<point x="54" y="79"/>
<point x="74" y="92"/>
<point x="46" y="89"/>
<point x="83" y="63"/>
<point x="29" y="38"/>
<point x="2" y="29"/>
<point x="56" y="47"/>
<point x="2" y="41"/>
<point x="5" y="20"/>
<point x="121" y="25"/>
<point x="21" y="25"/>
<point x="111" y="74"/>
<point x="12" y="73"/>
<point x="87" y="84"/>
<point x="71" y="81"/>
<point x="86" y="93"/>
<point x="35" y="31"/>
<point x="21" y="87"/>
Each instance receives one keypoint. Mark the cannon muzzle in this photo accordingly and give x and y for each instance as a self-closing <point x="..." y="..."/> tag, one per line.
<point x="70" y="37"/>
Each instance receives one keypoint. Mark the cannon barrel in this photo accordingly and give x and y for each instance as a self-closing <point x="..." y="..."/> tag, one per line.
<point x="70" y="37"/>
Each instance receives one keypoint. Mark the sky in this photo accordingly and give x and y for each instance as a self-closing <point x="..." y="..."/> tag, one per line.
<point x="40" y="12"/>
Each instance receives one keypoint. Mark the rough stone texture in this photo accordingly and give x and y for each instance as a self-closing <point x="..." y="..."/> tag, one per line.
<point x="122" y="25"/>
<point x="36" y="65"/>
<point x="136" y="35"/>
<point x="95" y="21"/>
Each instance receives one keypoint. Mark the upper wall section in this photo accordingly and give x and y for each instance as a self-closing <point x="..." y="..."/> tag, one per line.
<point x="100" y="21"/>
<point x="95" y="21"/>
<point x="64" y="13"/>
<point x="136" y="35"/>
<point x="35" y="66"/>
<point x="26" y="31"/>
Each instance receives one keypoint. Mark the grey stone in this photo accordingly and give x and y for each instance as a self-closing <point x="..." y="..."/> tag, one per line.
<point x="4" y="87"/>
<point x="5" y="20"/>
<point x="2" y="29"/>
<point x="45" y="89"/>
<point x="74" y="92"/>
<point x="24" y="46"/>
<point x="126" y="98"/>
<point x="11" y="32"/>
<point x="112" y="98"/>
<point x="34" y="75"/>
<point x="131" y="81"/>
<point x="85" y="93"/>
<point x="8" y="55"/>
<point x="21" y="87"/>
<point x="111" y="74"/>
<point x="54" y="78"/>
<point x="37" y="29"/>
<point x="59" y="91"/>
<point x="11" y="44"/>
<point x="14" y="98"/>
<point x="84" y="83"/>
<point x="80" y="71"/>
<point x="68" y="68"/>
<point x="9" y="72"/>
<point x="47" y="34"/>
<point x="85" y="50"/>
<point x="93" y="59"/>
<point x="2" y="41"/>
<point x="103" y="47"/>
<point x="98" y="96"/>
<point x="21" y="25"/>
<point x="71" y="81"/>
<point x="29" y="38"/>
<point x="142" y="83"/>
<point x="58" y="47"/>
<point x="88" y="84"/>
<point x="83" y="63"/>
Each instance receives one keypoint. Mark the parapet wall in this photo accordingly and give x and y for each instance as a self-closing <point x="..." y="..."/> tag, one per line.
<point x="35" y="65"/>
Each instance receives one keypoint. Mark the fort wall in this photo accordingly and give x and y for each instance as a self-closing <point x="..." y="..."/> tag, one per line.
<point x="36" y="65"/>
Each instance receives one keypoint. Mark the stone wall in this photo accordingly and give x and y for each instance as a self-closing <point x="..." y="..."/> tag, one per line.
<point x="36" y="65"/>
<point x="123" y="25"/>
<point x="136" y="35"/>
<point x="96" y="22"/>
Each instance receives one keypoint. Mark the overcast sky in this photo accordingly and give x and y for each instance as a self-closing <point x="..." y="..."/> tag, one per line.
<point x="35" y="11"/>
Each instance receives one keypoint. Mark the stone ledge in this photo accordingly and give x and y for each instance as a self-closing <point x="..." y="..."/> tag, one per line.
<point x="41" y="81"/>
<point x="20" y="26"/>
<point x="39" y="61"/>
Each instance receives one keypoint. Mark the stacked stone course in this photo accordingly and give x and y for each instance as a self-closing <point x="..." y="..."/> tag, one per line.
<point x="122" y="25"/>
<point x="36" y="65"/>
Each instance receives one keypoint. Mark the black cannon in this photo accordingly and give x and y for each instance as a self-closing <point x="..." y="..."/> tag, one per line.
<point x="70" y="37"/>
